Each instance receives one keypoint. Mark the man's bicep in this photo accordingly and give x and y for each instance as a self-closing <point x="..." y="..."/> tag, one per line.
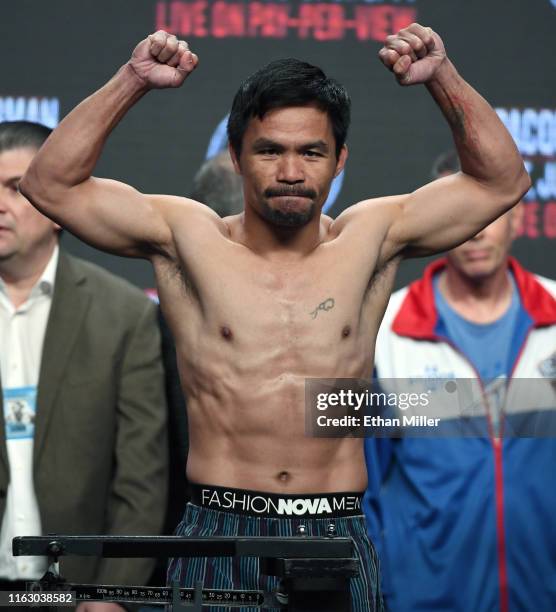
<point x="115" y="217"/>
<point x="443" y="214"/>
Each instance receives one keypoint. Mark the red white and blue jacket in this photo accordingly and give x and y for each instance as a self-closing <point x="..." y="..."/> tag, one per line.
<point x="466" y="524"/>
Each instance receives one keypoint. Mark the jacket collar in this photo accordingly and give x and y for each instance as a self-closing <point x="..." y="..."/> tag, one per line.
<point x="417" y="316"/>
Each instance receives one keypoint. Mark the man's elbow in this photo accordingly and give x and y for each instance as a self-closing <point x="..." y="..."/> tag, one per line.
<point x="523" y="182"/>
<point x="39" y="193"/>
<point x="515" y="187"/>
<point x="29" y="186"/>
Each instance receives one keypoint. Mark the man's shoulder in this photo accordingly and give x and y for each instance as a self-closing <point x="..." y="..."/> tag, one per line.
<point x="375" y="214"/>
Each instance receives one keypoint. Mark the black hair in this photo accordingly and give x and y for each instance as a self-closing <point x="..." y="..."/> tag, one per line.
<point x="217" y="185"/>
<point x="22" y="134"/>
<point x="447" y="162"/>
<point x="284" y="83"/>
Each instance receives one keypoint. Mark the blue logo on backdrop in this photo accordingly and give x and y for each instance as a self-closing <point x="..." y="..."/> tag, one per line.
<point x="35" y="109"/>
<point x="219" y="141"/>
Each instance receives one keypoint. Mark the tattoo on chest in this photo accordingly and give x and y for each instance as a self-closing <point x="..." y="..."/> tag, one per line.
<point x="328" y="304"/>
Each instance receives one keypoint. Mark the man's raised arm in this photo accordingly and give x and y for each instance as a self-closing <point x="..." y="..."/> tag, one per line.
<point x="449" y="211"/>
<point x="108" y="214"/>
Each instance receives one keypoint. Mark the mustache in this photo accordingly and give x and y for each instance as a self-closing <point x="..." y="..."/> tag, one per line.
<point x="293" y="191"/>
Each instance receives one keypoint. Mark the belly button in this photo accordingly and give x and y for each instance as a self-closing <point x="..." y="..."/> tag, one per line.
<point x="284" y="476"/>
<point x="346" y="331"/>
<point x="226" y="332"/>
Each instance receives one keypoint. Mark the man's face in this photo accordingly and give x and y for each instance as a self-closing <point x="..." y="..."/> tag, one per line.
<point x="484" y="254"/>
<point x="288" y="160"/>
<point x="22" y="228"/>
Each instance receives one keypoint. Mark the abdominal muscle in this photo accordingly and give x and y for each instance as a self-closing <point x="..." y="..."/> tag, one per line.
<point x="248" y="431"/>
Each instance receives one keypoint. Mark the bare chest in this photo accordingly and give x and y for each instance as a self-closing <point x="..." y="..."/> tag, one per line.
<point x="287" y="299"/>
<point x="245" y="299"/>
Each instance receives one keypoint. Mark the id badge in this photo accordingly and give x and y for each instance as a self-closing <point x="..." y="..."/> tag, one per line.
<point x="20" y="409"/>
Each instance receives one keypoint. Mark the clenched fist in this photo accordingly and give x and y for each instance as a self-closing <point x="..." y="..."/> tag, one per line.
<point x="414" y="54"/>
<point x="161" y="60"/>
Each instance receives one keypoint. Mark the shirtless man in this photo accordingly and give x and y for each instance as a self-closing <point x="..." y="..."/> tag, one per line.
<point x="240" y="293"/>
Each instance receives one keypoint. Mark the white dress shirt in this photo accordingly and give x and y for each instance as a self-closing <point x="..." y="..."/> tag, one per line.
<point x="22" y="333"/>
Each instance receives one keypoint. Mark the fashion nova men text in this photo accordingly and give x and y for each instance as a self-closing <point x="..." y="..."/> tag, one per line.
<point x="232" y="501"/>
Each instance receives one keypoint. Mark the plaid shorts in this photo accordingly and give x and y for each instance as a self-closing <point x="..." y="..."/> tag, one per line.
<point x="243" y="572"/>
